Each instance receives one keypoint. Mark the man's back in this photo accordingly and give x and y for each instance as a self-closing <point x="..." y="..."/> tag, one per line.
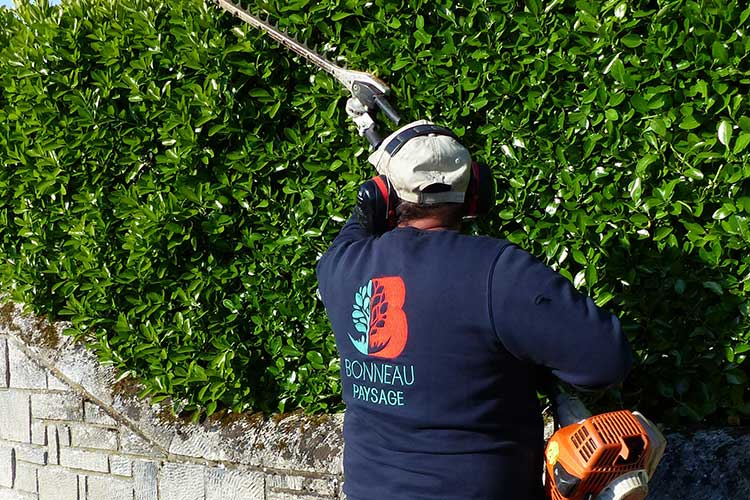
<point x="437" y="408"/>
<point x="441" y="336"/>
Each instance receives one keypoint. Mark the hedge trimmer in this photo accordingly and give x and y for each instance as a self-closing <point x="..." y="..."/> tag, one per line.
<point x="609" y="456"/>
<point x="366" y="88"/>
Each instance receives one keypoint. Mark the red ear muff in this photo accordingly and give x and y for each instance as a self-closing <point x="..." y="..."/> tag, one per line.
<point x="376" y="205"/>
<point x="389" y="196"/>
<point x="480" y="195"/>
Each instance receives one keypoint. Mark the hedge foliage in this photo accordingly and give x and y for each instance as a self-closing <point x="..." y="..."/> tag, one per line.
<point x="170" y="177"/>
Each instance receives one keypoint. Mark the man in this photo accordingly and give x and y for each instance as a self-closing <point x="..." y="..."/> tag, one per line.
<point x="443" y="338"/>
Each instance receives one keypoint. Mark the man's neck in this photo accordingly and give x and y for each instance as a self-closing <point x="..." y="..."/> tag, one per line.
<point x="428" y="224"/>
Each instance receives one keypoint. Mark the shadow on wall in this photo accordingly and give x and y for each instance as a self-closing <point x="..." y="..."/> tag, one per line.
<point x="709" y="465"/>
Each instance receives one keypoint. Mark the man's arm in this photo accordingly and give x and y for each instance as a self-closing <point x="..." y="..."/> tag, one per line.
<point x="540" y="317"/>
<point x="352" y="231"/>
<point x="334" y="256"/>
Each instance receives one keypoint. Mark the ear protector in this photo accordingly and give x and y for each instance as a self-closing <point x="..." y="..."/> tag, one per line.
<point x="377" y="200"/>
<point x="480" y="195"/>
<point x="376" y="205"/>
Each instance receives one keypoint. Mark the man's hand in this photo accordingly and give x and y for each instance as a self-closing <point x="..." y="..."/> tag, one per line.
<point x="358" y="112"/>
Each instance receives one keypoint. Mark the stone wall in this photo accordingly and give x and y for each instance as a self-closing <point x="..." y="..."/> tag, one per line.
<point x="69" y="431"/>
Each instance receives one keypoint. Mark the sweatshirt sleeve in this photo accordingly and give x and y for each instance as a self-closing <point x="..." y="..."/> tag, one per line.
<point x="540" y="317"/>
<point x="352" y="231"/>
<point x="334" y="256"/>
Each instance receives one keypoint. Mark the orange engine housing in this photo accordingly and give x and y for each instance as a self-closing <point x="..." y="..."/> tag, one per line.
<point x="583" y="458"/>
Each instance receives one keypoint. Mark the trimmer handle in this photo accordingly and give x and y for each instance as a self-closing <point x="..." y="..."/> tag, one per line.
<point x="373" y="97"/>
<point x="387" y="109"/>
<point x="568" y="409"/>
<point x="373" y="136"/>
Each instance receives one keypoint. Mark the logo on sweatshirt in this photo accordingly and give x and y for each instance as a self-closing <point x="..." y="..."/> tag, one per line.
<point x="379" y="318"/>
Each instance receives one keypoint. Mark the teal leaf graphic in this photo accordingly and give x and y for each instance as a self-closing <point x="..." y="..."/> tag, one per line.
<point x="360" y="344"/>
<point x="361" y="317"/>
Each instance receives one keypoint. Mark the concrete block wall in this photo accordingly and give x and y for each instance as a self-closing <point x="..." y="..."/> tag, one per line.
<point x="68" y="433"/>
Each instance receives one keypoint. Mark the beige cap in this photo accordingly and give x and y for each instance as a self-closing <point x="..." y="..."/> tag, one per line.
<point x="423" y="161"/>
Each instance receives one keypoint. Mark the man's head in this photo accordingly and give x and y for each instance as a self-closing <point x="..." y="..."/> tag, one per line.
<point x="429" y="170"/>
<point x="425" y="164"/>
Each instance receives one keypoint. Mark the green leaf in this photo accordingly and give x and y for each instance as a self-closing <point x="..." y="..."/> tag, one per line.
<point x="724" y="132"/>
<point x="259" y="93"/>
<point x="533" y="6"/>
<point x="423" y="37"/>
<point x="635" y="189"/>
<point x="658" y="126"/>
<point x="689" y="123"/>
<point x="723" y="212"/>
<point x="632" y="40"/>
<point x="694" y="173"/>
<point x="639" y="103"/>
<point x="216" y="128"/>
<point x="604" y="298"/>
<point x="719" y="52"/>
<point x="741" y="143"/>
<point x="714" y="287"/>
<point x="662" y="233"/>
<point x="315" y="358"/>
<point x="620" y="10"/>
<point x="479" y="103"/>
<point x="617" y="68"/>
<point x="644" y="163"/>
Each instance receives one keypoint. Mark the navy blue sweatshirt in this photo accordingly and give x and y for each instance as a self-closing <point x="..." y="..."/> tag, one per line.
<point x="441" y="337"/>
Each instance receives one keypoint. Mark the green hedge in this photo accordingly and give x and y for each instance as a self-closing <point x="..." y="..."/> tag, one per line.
<point x="170" y="177"/>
